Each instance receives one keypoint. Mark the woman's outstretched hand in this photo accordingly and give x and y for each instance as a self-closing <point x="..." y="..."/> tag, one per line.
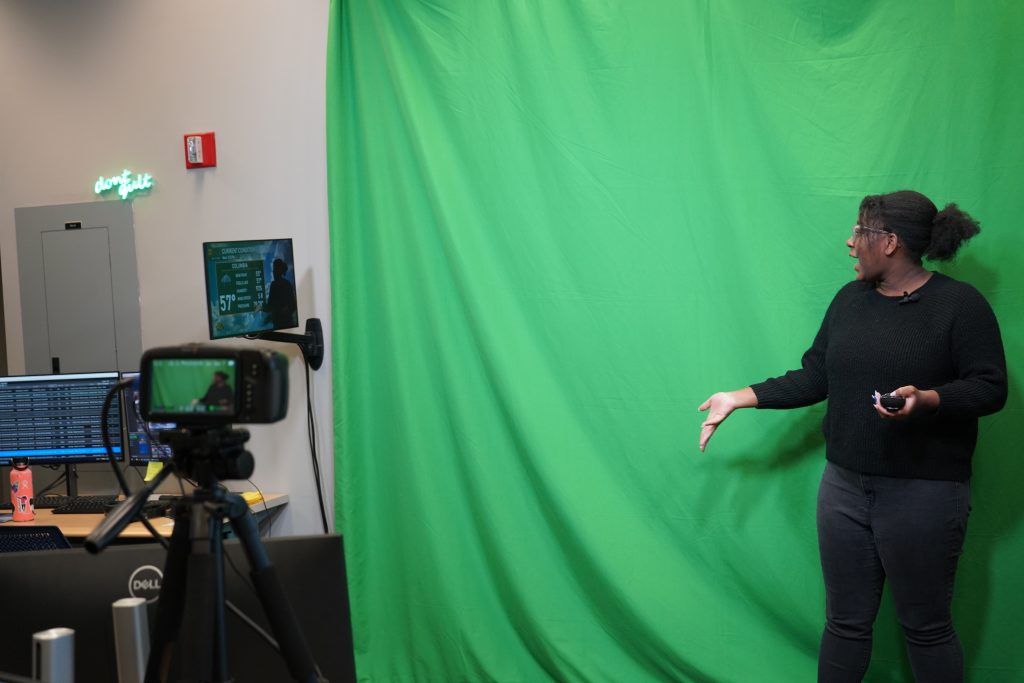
<point x="719" y="406"/>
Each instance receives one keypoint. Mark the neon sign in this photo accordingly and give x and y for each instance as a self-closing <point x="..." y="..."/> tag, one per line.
<point x="124" y="183"/>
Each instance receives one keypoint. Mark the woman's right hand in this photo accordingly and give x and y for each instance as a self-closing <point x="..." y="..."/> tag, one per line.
<point x="719" y="406"/>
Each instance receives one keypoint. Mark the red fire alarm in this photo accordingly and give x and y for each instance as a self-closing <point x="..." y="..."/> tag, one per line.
<point x="200" y="150"/>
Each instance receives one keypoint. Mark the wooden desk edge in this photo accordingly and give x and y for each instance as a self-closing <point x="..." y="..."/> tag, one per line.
<point x="79" y="526"/>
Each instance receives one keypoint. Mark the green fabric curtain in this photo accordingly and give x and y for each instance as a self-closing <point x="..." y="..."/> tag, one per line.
<point x="558" y="226"/>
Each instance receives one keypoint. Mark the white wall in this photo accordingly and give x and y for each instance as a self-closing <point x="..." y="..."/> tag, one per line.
<point x="88" y="88"/>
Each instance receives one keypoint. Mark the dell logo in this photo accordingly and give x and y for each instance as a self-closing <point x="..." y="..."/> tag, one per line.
<point x="145" y="583"/>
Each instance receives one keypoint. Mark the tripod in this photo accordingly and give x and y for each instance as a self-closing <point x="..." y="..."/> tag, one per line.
<point x="190" y="613"/>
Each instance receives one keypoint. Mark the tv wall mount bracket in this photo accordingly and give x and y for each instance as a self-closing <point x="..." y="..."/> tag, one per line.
<point x="311" y="342"/>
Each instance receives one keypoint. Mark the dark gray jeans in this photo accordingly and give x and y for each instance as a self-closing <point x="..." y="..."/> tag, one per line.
<point x="909" y="532"/>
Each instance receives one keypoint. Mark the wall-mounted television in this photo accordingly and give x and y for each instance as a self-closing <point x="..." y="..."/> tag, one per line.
<point x="250" y="287"/>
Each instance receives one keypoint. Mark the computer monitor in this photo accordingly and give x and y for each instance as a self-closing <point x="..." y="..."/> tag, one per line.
<point x="73" y="589"/>
<point x="56" y="419"/>
<point x="250" y="287"/>
<point x="141" y="437"/>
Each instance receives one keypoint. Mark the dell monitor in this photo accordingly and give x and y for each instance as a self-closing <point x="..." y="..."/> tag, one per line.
<point x="74" y="589"/>
<point x="141" y="437"/>
<point x="56" y="419"/>
<point x="250" y="287"/>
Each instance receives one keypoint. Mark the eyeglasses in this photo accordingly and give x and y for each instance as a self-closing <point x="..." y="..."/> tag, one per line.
<point x="859" y="230"/>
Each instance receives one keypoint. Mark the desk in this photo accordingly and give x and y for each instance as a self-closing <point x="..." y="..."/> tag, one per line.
<point x="79" y="526"/>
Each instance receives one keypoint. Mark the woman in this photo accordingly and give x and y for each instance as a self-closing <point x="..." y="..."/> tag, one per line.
<point x="894" y="497"/>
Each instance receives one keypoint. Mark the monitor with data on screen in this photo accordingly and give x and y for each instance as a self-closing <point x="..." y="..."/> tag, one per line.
<point x="56" y="419"/>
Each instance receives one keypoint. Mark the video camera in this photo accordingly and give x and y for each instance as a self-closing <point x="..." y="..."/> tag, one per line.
<point x="200" y="385"/>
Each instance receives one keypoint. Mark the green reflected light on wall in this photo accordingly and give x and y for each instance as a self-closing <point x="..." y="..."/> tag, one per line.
<point x="124" y="183"/>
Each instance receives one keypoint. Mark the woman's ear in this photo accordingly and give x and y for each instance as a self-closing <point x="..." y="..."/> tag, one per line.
<point x="892" y="243"/>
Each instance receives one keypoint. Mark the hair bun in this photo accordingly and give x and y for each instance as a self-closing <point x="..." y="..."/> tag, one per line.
<point x="951" y="227"/>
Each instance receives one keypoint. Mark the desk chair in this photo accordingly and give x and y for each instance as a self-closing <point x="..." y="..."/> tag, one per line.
<point x="19" y="538"/>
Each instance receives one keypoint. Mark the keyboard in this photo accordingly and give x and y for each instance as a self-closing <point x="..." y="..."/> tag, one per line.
<point x="150" y="509"/>
<point x="83" y="505"/>
<point x="80" y="504"/>
<point x="53" y="502"/>
<point x="15" y="539"/>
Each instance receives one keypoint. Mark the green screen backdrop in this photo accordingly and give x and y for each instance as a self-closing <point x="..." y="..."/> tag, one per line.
<point x="557" y="227"/>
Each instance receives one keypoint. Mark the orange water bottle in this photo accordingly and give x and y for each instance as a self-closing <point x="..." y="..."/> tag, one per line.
<point x="21" y="491"/>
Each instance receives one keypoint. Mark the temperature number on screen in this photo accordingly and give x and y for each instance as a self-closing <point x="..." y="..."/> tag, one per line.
<point x="240" y="285"/>
<point x="227" y="302"/>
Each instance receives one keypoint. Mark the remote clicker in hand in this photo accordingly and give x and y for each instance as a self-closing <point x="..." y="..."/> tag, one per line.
<point x="893" y="403"/>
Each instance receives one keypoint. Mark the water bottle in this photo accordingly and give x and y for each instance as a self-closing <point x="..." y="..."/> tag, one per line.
<point x="21" y="492"/>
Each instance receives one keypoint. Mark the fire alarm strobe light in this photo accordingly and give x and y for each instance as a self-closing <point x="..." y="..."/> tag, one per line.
<point x="200" y="150"/>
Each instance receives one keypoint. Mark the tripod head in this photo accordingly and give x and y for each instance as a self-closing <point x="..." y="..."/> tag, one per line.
<point x="208" y="455"/>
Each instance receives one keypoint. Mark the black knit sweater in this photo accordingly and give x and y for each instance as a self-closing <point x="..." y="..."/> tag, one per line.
<point x="947" y="340"/>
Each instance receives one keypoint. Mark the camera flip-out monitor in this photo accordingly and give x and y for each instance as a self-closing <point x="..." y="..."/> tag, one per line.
<point x="198" y="385"/>
<point x="250" y="287"/>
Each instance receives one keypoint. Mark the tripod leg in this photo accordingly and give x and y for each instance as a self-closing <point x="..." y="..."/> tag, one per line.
<point x="204" y="650"/>
<point x="279" y="612"/>
<point x="172" y="593"/>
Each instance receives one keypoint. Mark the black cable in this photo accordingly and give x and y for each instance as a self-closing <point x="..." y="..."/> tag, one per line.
<point x="241" y="577"/>
<point x="161" y="451"/>
<point x="53" y="484"/>
<point x="122" y="482"/>
<point x="105" y="431"/>
<point x="266" y="508"/>
<point x="142" y="479"/>
<point x="61" y="478"/>
<point x="311" y="429"/>
<point x="248" y="621"/>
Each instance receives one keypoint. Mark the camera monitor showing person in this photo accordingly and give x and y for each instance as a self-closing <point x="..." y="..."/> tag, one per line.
<point x="181" y="386"/>
<point x="250" y="287"/>
<point x="198" y="385"/>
